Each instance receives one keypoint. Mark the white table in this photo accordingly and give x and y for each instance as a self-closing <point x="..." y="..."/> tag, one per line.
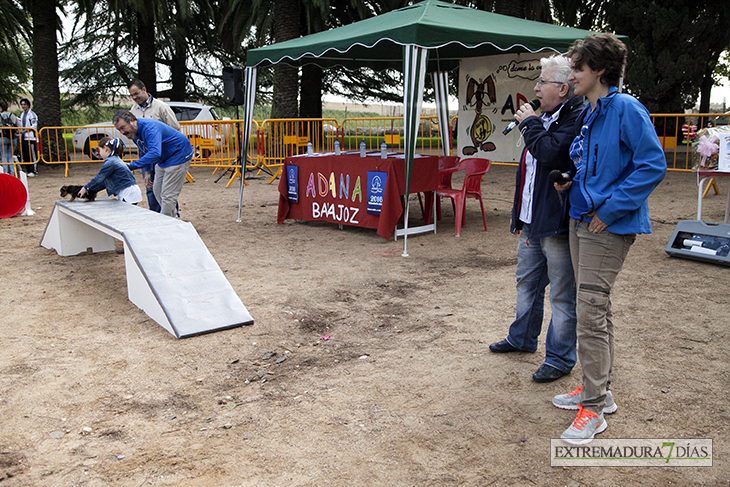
<point x="706" y="176"/>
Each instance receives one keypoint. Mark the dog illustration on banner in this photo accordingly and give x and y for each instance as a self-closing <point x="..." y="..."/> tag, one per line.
<point x="481" y="128"/>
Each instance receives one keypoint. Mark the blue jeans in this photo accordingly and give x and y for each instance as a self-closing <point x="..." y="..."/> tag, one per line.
<point x="541" y="262"/>
<point x="7" y="155"/>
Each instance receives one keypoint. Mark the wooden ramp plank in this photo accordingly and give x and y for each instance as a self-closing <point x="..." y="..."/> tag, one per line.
<point x="171" y="274"/>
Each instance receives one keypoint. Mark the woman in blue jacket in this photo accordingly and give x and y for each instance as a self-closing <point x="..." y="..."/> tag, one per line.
<point x="114" y="175"/>
<point x="619" y="161"/>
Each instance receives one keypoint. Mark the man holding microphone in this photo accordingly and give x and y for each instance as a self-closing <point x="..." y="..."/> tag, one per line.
<point x="540" y="218"/>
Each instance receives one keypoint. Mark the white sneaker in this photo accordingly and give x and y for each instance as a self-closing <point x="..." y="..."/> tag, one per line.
<point x="584" y="428"/>
<point x="31" y="174"/>
<point x="571" y="400"/>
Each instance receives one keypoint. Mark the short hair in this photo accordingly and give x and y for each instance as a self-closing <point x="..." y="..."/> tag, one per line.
<point x="138" y="83"/>
<point x="25" y="100"/>
<point x="560" y="66"/>
<point x="600" y="51"/>
<point x="125" y="115"/>
<point x="105" y="141"/>
<point x="4" y="105"/>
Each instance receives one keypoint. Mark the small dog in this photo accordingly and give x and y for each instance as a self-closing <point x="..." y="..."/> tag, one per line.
<point x="74" y="192"/>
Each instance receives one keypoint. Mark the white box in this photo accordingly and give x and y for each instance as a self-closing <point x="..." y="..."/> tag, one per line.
<point x="723" y="163"/>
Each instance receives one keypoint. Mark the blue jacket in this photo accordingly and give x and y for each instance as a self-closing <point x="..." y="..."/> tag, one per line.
<point x="623" y="162"/>
<point x="161" y="145"/>
<point x="550" y="150"/>
<point x="114" y="175"/>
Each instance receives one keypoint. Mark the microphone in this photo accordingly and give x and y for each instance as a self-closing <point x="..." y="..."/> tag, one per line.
<point x="535" y="104"/>
<point x="557" y="177"/>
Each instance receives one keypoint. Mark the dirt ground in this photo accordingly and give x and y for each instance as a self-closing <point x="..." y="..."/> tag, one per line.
<point x="404" y="392"/>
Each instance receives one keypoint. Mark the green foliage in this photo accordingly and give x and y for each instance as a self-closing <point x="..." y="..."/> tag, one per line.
<point x="71" y="117"/>
<point x="340" y="115"/>
<point x="722" y="69"/>
<point x="14" y="75"/>
<point x="674" y="46"/>
<point x="14" y="52"/>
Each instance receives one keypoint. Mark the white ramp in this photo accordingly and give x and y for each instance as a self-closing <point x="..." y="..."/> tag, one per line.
<point x="171" y="275"/>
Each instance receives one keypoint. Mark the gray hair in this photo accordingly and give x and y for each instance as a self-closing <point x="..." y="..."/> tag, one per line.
<point x="125" y="115"/>
<point x="560" y="67"/>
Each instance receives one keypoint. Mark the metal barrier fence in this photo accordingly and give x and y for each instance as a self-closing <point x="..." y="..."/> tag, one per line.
<point x="13" y="150"/>
<point x="217" y="143"/>
<point x="677" y="132"/>
<point x="277" y="139"/>
<point x="375" y="131"/>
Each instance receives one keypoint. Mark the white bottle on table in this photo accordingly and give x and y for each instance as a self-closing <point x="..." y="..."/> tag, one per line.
<point x="310" y="149"/>
<point x="337" y="147"/>
<point x="362" y="148"/>
<point x="383" y="150"/>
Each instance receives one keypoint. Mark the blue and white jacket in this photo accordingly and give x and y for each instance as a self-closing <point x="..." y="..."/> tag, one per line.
<point x="622" y="162"/>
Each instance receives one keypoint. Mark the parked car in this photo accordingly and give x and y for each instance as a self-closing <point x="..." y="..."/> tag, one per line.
<point x="184" y="111"/>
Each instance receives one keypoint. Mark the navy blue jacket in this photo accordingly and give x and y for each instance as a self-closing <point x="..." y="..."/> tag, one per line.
<point x="550" y="148"/>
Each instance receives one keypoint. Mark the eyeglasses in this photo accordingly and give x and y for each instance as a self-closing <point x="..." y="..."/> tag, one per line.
<point x="541" y="82"/>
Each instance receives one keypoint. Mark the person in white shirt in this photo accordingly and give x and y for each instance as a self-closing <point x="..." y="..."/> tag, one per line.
<point x="28" y="141"/>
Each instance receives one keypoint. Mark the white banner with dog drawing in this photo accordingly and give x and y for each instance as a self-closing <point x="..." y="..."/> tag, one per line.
<point x="491" y="89"/>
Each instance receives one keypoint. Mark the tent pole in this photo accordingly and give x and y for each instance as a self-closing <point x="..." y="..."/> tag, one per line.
<point x="414" y="72"/>
<point x="249" y="98"/>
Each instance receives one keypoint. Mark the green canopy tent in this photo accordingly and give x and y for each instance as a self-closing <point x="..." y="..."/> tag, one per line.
<point x="430" y="36"/>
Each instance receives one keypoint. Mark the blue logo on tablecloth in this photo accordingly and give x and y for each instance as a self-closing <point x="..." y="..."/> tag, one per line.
<point x="376" y="191"/>
<point x="292" y="183"/>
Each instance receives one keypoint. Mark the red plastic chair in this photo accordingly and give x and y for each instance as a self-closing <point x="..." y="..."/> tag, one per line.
<point x="447" y="166"/>
<point x="475" y="168"/>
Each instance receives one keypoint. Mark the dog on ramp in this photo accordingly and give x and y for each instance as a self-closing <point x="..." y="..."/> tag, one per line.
<point x="73" y="191"/>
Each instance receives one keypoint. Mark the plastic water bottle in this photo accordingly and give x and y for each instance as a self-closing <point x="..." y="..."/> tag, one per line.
<point x="337" y="147"/>
<point x="362" y="149"/>
<point x="310" y="149"/>
<point x="383" y="150"/>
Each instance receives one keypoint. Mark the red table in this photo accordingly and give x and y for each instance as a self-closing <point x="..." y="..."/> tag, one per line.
<point x="349" y="207"/>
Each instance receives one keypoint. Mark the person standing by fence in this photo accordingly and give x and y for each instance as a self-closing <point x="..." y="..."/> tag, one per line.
<point x="28" y="141"/>
<point x="8" y="124"/>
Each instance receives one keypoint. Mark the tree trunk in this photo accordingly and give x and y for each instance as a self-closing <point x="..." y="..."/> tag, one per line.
<point x="46" y="94"/>
<point x="286" y="26"/>
<point x="705" y="90"/>
<point x="146" y="49"/>
<point x="178" y="71"/>
<point x="310" y="105"/>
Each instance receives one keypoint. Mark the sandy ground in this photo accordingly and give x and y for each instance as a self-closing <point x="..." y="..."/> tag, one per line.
<point x="405" y="391"/>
